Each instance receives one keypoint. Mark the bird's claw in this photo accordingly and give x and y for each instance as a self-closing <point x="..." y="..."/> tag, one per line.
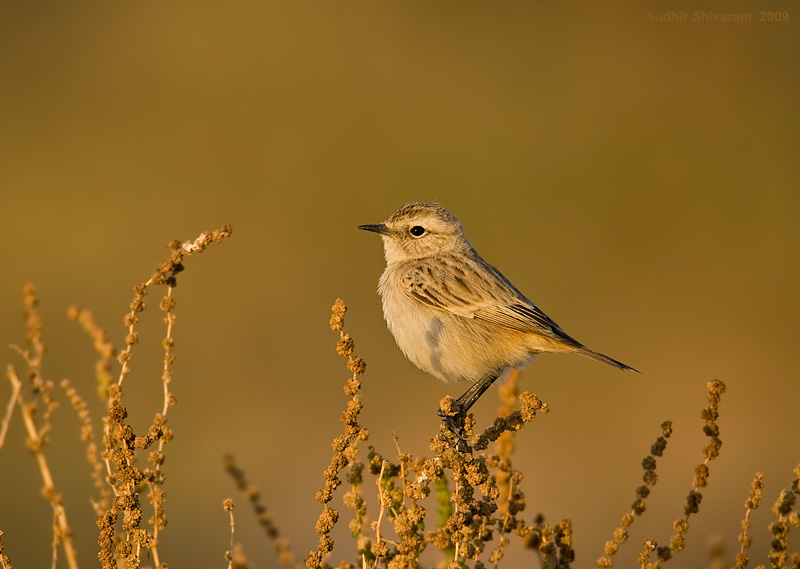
<point x="454" y="422"/>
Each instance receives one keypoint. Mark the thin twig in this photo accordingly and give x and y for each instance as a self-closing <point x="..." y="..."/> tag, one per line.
<point x="61" y="529"/>
<point x="102" y="345"/>
<point x="12" y="402"/>
<point x="402" y="468"/>
<point x="120" y="441"/>
<point x="92" y="456"/>
<point x="378" y="540"/>
<point x="157" y="497"/>
<point x="227" y="504"/>
<point x="253" y="495"/>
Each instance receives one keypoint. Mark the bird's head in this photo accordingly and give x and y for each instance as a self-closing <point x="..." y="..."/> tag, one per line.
<point x="419" y="230"/>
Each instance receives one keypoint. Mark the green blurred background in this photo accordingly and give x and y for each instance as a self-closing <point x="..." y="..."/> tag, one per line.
<point x="638" y="180"/>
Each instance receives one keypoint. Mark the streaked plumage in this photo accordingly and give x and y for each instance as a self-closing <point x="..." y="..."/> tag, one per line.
<point x="453" y="314"/>
<point x="437" y="281"/>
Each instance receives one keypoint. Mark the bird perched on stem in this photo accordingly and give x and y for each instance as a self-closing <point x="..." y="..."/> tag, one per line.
<point x="453" y="314"/>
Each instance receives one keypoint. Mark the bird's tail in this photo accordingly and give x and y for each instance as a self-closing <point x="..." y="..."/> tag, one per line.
<point x="584" y="351"/>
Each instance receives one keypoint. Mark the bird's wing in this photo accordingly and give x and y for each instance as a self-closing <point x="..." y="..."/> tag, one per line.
<point x="485" y="294"/>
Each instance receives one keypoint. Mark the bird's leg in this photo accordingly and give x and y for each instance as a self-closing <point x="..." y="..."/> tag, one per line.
<point x="471" y="395"/>
<point x="455" y="422"/>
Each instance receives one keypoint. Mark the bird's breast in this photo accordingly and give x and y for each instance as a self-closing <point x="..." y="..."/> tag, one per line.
<point x="448" y="346"/>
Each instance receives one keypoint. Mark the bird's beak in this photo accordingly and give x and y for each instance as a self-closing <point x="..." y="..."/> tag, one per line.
<point x="376" y="228"/>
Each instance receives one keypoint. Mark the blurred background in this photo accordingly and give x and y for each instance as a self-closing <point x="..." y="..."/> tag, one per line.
<point x="638" y="180"/>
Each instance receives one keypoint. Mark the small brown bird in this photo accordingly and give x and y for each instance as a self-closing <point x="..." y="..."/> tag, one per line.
<point x="453" y="314"/>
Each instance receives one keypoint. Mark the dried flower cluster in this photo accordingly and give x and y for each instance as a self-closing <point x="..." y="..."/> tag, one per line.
<point x="787" y="518"/>
<point x="680" y="527"/>
<point x="121" y="443"/>
<point x="102" y="345"/>
<point x="461" y="507"/>
<point x="753" y="499"/>
<point x="345" y="447"/>
<point x="41" y="404"/>
<point x="642" y="492"/>
<point x="102" y="503"/>
<point x="253" y="496"/>
<point x="471" y="516"/>
<point x="116" y="476"/>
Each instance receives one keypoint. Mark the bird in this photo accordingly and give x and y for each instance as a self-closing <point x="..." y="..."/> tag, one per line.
<point x="454" y="315"/>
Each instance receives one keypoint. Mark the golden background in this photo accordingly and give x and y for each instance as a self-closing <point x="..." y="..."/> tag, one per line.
<point x="639" y="181"/>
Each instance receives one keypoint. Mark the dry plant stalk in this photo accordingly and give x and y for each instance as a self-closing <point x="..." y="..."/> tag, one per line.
<point x="227" y="505"/>
<point x="511" y="499"/>
<point x="486" y="501"/>
<point x="642" y="492"/>
<point x="92" y="454"/>
<point x="753" y="499"/>
<point x="39" y="435"/>
<point x="120" y="442"/>
<point x="508" y="392"/>
<point x="103" y="368"/>
<point x="787" y="519"/>
<point x="345" y="446"/>
<point x="12" y="403"/>
<point x="677" y="541"/>
<point x="467" y="527"/>
<point x="102" y="345"/>
<point x="484" y="507"/>
<point x="253" y="495"/>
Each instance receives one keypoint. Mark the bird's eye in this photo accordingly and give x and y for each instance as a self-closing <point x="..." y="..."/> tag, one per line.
<point x="417" y="231"/>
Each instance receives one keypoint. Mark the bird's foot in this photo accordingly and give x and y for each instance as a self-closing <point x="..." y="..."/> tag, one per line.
<point x="454" y="420"/>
